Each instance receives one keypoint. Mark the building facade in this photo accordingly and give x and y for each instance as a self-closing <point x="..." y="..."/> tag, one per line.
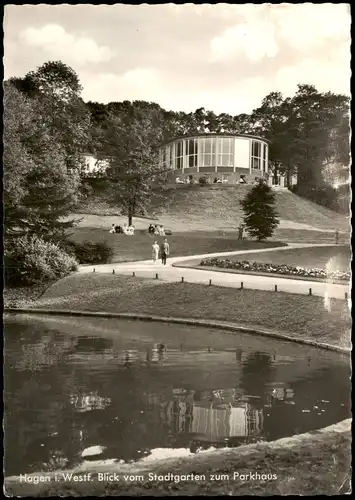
<point x="90" y="165"/>
<point x="222" y="158"/>
<point x="227" y="157"/>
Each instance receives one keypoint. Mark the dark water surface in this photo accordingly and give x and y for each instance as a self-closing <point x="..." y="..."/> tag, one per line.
<point x="131" y="387"/>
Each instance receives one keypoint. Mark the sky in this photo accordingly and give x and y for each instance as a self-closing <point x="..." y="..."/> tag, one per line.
<point x="223" y="57"/>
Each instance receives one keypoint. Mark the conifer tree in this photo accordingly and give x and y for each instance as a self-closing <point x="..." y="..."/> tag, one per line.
<point x="260" y="217"/>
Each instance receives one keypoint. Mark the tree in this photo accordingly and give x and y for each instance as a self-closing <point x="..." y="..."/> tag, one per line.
<point x="269" y="121"/>
<point x="39" y="190"/>
<point x="244" y="124"/>
<point x="18" y="127"/>
<point x="260" y="216"/>
<point x="54" y="91"/>
<point x="130" y="142"/>
<point x="306" y="133"/>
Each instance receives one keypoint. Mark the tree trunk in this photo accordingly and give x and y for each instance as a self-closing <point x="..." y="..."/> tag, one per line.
<point x="130" y="218"/>
<point x="131" y="208"/>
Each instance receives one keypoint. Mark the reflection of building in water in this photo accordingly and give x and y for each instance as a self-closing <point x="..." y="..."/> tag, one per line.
<point x="209" y="415"/>
<point x="158" y="352"/>
<point x="128" y="357"/>
<point x="89" y="402"/>
<point x="216" y="424"/>
<point x="282" y="393"/>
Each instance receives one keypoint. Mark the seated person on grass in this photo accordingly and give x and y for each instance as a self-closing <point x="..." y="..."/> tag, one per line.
<point x="242" y="179"/>
<point x="112" y="230"/>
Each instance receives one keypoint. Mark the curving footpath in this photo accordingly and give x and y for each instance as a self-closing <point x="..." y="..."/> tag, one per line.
<point x="172" y="273"/>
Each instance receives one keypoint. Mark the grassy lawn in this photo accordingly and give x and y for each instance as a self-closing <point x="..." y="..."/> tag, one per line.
<point x="139" y="246"/>
<point x="303" y="257"/>
<point x="298" y="315"/>
<point x="319" y="465"/>
<point x="309" y="236"/>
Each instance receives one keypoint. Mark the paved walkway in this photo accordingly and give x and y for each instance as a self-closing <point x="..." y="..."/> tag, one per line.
<point x="147" y="269"/>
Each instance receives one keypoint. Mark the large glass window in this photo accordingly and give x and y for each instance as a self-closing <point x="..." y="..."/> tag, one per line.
<point x="169" y="157"/>
<point x="191" y="152"/>
<point x="256" y="155"/>
<point x="264" y="157"/>
<point x="162" y="158"/>
<point x="179" y="155"/>
<point x="208" y="151"/>
<point x="226" y="151"/>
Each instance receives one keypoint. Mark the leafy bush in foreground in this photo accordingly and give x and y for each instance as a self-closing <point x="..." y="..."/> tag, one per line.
<point x="276" y="269"/>
<point x="90" y="252"/>
<point x="31" y="260"/>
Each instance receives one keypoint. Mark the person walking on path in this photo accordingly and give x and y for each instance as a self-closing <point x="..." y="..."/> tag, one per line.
<point x="155" y="249"/>
<point x="240" y="232"/>
<point x="164" y="250"/>
<point x="336" y="236"/>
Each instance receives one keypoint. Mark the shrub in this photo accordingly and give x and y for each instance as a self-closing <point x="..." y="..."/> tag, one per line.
<point x="90" y="252"/>
<point x="30" y="260"/>
<point x="322" y="194"/>
<point x="202" y="181"/>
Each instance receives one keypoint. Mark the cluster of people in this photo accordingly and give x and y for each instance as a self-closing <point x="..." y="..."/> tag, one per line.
<point x="164" y="250"/>
<point x="187" y="180"/>
<point x="125" y="229"/>
<point x="156" y="230"/>
<point x="224" y="180"/>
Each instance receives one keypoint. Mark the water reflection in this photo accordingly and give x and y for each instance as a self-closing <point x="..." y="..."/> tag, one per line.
<point x="129" y="390"/>
<point x="211" y="417"/>
<point x="89" y="402"/>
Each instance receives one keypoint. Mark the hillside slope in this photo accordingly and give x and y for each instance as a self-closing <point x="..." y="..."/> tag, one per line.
<point x="214" y="207"/>
<point x="219" y="207"/>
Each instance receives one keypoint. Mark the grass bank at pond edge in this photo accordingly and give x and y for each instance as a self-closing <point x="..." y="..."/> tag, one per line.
<point x="309" y="464"/>
<point x="298" y="315"/>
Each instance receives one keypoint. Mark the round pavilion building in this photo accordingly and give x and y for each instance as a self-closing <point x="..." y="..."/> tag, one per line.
<point x="223" y="158"/>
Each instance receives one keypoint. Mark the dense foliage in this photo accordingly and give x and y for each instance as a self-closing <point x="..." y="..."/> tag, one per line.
<point x="31" y="260"/>
<point x="46" y="129"/>
<point x="41" y="154"/>
<point x="90" y="252"/>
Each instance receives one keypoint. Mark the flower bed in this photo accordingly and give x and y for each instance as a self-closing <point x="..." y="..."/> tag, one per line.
<point x="276" y="269"/>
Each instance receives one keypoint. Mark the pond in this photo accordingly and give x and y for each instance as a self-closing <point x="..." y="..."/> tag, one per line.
<point x="132" y="387"/>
